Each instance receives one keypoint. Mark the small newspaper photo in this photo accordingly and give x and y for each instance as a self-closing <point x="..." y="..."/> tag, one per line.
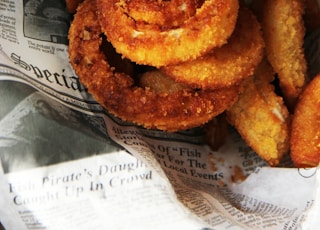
<point x="67" y="163"/>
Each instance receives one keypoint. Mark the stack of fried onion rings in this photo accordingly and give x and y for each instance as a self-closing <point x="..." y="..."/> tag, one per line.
<point x="226" y="65"/>
<point x="120" y="96"/>
<point x="139" y="31"/>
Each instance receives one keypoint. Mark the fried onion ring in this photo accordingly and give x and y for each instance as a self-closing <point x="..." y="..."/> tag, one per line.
<point x="305" y="130"/>
<point x="228" y="64"/>
<point x="167" y="14"/>
<point x="117" y="92"/>
<point x="210" y="24"/>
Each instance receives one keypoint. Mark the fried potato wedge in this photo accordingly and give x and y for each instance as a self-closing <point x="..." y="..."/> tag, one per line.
<point x="305" y="133"/>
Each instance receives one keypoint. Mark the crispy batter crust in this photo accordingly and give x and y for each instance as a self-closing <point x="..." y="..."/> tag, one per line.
<point x="305" y="134"/>
<point x="229" y="64"/>
<point x="118" y="93"/>
<point x="283" y="28"/>
<point x="261" y="117"/>
<point x="162" y="14"/>
<point x="210" y="25"/>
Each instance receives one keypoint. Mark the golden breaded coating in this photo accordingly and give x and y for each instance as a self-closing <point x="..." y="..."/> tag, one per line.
<point x="118" y="92"/>
<point x="260" y="116"/>
<point x="305" y="134"/>
<point x="215" y="130"/>
<point x="156" y="44"/>
<point x="283" y="28"/>
<point x="226" y="65"/>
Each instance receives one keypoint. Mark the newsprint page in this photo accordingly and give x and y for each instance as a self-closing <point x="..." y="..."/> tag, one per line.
<point x="66" y="163"/>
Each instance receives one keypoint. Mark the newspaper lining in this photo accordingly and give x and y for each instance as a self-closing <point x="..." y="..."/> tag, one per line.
<point x="62" y="164"/>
